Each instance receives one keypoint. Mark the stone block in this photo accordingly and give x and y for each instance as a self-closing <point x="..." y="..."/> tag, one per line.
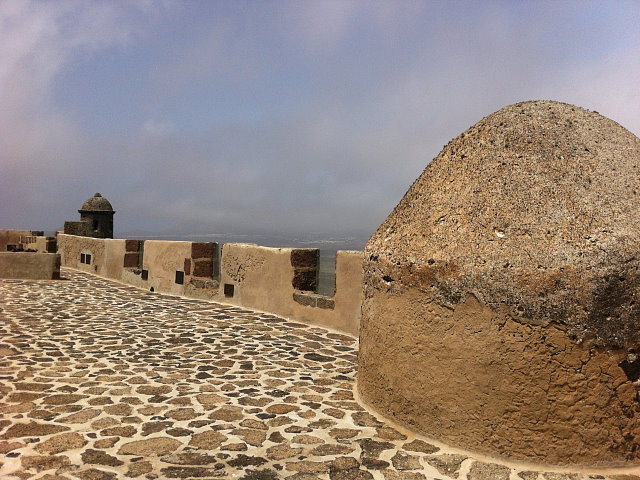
<point x="32" y="266"/>
<point x="132" y="245"/>
<point x="202" y="268"/>
<point x="306" y="280"/>
<point x="326" y="302"/>
<point x="202" y="249"/>
<point x="187" y="266"/>
<point x="305" y="299"/>
<point x="131" y="260"/>
<point x="305" y="257"/>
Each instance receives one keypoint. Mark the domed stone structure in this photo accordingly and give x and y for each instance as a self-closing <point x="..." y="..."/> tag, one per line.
<point x="96" y="219"/>
<point x="97" y="203"/>
<point x="500" y="308"/>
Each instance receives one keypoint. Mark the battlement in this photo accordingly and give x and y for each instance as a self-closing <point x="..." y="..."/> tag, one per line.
<point x="281" y="281"/>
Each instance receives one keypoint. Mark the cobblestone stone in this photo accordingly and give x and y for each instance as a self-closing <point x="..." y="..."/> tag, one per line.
<point x="100" y="380"/>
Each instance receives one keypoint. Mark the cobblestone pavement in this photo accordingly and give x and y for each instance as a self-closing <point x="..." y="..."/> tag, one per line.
<point x="99" y="380"/>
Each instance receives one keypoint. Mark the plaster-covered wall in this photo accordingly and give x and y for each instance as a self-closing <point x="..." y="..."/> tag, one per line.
<point x="490" y="383"/>
<point x="275" y="280"/>
<point x="30" y="265"/>
<point x="15" y="237"/>
<point x="162" y="259"/>
<point x="262" y="278"/>
<point x="106" y="254"/>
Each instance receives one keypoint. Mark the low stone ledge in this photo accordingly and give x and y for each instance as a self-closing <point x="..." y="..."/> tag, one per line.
<point x="314" y="300"/>
<point x="30" y="266"/>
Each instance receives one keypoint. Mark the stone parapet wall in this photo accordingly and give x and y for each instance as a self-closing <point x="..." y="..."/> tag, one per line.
<point x="30" y="265"/>
<point x="276" y="280"/>
<point x="281" y="281"/>
<point x="17" y="239"/>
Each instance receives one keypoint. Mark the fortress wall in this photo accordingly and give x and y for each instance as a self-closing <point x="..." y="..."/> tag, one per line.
<point x="162" y="259"/>
<point x="106" y="254"/>
<point x="281" y="281"/>
<point x="266" y="278"/>
<point x="30" y="265"/>
<point x="42" y="244"/>
<point x="257" y="277"/>
<point x="14" y="237"/>
<point x="342" y="311"/>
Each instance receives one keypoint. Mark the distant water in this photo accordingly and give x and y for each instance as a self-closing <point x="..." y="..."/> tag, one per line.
<point x="320" y="242"/>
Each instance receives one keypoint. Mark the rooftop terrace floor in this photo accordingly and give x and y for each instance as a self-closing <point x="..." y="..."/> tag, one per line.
<point x="99" y="380"/>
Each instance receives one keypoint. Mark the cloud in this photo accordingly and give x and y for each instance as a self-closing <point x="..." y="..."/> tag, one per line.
<point x="308" y="117"/>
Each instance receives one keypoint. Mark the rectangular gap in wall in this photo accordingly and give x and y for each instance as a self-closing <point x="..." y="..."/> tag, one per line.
<point x="179" y="277"/>
<point x="88" y="259"/>
<point x="327" y="273"/>
<point x="82" y="258"/>
<point x="228" y="289"/>
<point x="145" y="275"/>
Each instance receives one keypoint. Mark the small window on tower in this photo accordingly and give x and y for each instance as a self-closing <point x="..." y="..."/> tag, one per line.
<point x="95" y="225"/>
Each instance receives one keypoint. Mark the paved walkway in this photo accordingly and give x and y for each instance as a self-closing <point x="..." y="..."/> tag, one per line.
<point x="101" y="381"/>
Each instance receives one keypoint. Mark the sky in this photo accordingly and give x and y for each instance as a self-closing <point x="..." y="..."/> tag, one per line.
<point x="294" y="119"/>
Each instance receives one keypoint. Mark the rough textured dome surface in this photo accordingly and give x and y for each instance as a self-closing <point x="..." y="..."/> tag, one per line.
<point x="97" y="203"/>
<point x="534" y="211"/>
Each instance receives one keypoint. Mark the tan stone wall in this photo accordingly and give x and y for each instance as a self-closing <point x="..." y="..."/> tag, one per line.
<point x="261" y="276"/>
<point x="13" y="237"/>
<point x="107" y="255"/>
<point x="262" y="279"/>
<point x="482" y="381"/>
<point x="30" y="265"/>
<point x="162" y="259"/>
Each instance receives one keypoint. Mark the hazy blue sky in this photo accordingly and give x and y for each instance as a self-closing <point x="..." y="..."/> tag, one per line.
<point x="277" y="116"/>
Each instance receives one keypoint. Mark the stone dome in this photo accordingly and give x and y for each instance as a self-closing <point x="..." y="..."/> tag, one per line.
<point x="97" y="203"/>
<point x="534" y="211"/>
<point x="499" y="311"/>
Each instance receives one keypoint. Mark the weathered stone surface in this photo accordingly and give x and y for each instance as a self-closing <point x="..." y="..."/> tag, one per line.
<point x="32" y="429"/>
<point x="517" y="245"/>
<point x="280" y="452"/>
<point x="151" y="447"/>
<point x="391" y="475"/>
<point x="210" y="399"/>
<point x="404" y="461"/>
<point x="62" y="399"/>
<point x="227" y="413"/>
<point x="132" y="245"/>
<point x="305" y="257"/>
<point x="190" y="458"/>
<point x="251" y="436"/>
<point x="45" y="462"/>
<point x="542" y="222"/>
<point x="188" y="472"/>
<point x="202" y="249"/>
<point x="95" y="474"/>
<point x="202" y="268"/>
<point x="420" y="446"/>
<point x="282" y="408"/>
<point x="446" y="464"/>
<point x="81" y="417"/>
<point x="99" y="457"/>
<point x="139" y="468"/>
<point x="207" y="440"/>
<point x="488" y="471"/>
<point x="61" y="443"/>
<point x="128" y="431"/>
<point x="131" y="260"/>
<point x="307" y="466"/>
